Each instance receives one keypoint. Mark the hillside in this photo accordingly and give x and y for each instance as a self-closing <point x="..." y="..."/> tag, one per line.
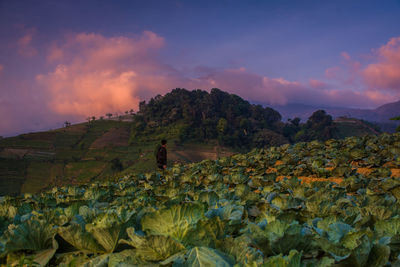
<point x="380" y="116"/>
<point x="354" y="127"/>
<point x="391" y="109"/>
<point x="198" y="125"/>
<point x="333" y="203"/>
<point x="216" y="115"/>
<point x="85" y="152"/>
<point x="202" y="116"/>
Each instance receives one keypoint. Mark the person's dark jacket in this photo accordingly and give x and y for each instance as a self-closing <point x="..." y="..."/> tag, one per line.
<point x="162" y="157"/>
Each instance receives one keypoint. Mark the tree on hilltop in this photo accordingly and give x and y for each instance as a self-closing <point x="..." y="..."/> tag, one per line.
<point x="319" y="126"/>
<point x="203" y="115"/>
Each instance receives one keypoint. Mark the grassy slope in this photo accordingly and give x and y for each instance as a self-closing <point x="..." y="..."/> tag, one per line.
<point x="78" y="154"/>
<point x="353" y="127"/>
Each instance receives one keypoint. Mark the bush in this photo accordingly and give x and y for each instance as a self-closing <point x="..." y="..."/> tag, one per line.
<point x="116" y="165"/>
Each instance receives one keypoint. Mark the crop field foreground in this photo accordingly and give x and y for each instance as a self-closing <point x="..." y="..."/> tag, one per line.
<point x="333" y="203"/>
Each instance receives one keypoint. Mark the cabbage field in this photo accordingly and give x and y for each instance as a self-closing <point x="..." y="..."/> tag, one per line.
<point x="309" y="204"/>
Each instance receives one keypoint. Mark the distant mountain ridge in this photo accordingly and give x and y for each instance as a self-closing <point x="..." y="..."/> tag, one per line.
<point x="380" y="116"/>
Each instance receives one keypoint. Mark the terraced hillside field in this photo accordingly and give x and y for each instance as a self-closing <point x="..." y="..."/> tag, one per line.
<point x="310" y="204"/>
<point x="85" y="152"/>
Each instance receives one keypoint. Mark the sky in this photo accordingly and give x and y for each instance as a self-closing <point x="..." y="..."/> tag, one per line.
<point x="67" y="60"/>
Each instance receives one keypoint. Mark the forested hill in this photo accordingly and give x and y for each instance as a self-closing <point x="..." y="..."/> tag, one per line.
<point x="200" y="115"/>
<point x="217" y="115"/>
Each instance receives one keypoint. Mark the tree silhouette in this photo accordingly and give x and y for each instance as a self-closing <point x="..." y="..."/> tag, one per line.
<point x="295" y="121"/>
<point x="319" y="126"/>
<point x="109" y="115"/>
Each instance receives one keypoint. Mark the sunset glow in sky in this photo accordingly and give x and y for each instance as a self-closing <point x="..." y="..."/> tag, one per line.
<point x="67" y="60"/>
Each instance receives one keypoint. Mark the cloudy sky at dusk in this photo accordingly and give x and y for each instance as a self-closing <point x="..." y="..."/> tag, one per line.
<point x="66" y="60"/>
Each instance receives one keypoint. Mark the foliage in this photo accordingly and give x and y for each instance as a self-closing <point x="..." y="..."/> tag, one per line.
<point x="116" y="164"/>
<point x="332" y="203"/>
<point x="206" y="116"/>
<point x="201" y="116"/>
<point x="319" y="126"/>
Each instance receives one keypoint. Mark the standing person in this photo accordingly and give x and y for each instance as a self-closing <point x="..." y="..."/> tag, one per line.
<point x="162" y="155"/>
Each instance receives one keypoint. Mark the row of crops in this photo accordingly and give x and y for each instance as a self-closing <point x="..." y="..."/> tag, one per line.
<point x="310" y="204"/>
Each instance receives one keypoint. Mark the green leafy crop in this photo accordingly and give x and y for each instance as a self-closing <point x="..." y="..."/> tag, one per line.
<point x="332" y="203"/>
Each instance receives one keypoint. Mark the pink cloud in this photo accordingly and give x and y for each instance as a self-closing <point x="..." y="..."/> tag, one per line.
<point x="345" y="55"/>
<point x="1" y="68"/>
<point x="24" y="44"/>
<point x="348" y="74"/>
<point x="258" y="88"/>
<point x="95" y="74"/>
<point x="381" y="96"/>
<point x="332" y="73"/>
<point x="92" y="74"/>
<point x="385" y="72"/>
<point x="55" y="54"/>
<point x="352" y="73"/>
<point x="317" y="84"/>
<point x="249" y="85"/>
<point x="379" y="81"/>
